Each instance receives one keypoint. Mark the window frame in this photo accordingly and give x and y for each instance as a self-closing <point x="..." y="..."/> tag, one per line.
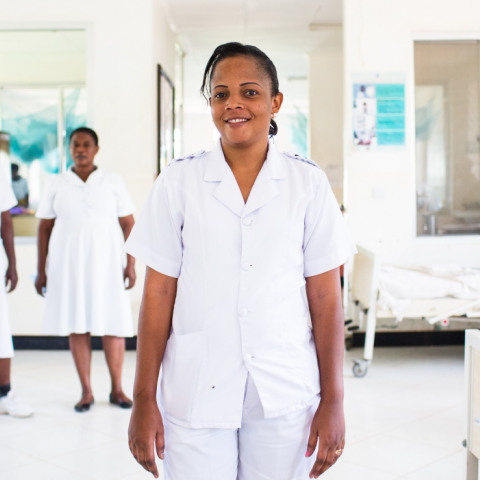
<point x="428" y="36"/>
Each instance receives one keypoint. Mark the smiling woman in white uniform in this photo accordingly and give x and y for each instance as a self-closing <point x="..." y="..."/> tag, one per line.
<point x="81" y="214"/>
<point x="230" y="238"/>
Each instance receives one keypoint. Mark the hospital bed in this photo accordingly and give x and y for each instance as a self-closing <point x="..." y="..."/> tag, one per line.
<point x="365" y="309"/>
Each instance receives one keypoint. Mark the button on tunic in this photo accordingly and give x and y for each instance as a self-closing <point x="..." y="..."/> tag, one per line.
<point x="241" y="268"/>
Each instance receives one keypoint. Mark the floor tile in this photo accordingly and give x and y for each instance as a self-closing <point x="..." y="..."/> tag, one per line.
<point x="392" y="455"/>
<point x="404" y="419"/>
<point x="106" y="462"/>
<point x="53" y="441"/>
<point x="433" y="430"/>
<point x="347" y="471"/>
<point x="450" y="468"/>
<point x="41" y="471"/>
<point x="144" y="475"/>
<point x="10" y="426"/>
<point x="105" y="419"/>
<point x="11" y="459"/>
<point x="354" y="435"/>
<point x="370" y="418"/>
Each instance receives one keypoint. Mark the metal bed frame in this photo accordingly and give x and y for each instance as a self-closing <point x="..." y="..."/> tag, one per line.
<point x="363" y="304"/>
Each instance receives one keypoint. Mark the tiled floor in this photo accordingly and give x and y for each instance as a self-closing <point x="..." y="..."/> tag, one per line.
<point x="404" y="420"/>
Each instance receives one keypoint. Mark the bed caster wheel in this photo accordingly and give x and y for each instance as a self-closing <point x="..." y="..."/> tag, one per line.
<point x="348" y="343"/>
<point x="360" y="368"/>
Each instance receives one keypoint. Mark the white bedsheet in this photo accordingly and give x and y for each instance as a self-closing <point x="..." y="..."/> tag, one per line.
<point x="399" y="285"/>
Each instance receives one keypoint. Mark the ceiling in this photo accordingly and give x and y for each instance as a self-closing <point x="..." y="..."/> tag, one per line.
<point x="252" y="14"/>
<point x="285" y="29"/>
<point x="281" y="24"/>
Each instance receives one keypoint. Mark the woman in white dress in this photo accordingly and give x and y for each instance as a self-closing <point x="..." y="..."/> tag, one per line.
<point x="85" y="279"/>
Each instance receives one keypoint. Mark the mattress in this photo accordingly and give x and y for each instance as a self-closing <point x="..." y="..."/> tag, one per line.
<point x="417" y="292"/>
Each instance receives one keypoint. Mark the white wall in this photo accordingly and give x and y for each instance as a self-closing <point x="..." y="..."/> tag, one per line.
<point x="42" y="57"/>
<point x="126" y="40"/>
<point x="380" y="186"/>
<point x="326" y="107"/>
<point x="199" y="132"/>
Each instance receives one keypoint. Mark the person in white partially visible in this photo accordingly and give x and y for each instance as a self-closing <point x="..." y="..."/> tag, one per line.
<point x="9" y="405"/>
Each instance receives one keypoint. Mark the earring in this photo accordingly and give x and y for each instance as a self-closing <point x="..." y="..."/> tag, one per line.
<point x="274" y="116"/>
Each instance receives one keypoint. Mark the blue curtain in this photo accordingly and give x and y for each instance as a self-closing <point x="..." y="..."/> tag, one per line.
<point x="31" y="119"/>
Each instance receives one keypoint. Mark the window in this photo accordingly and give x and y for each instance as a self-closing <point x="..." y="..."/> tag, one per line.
<point x="35" y="119"/>
<point x="42" y="99"/>
<point x="447" y="137"/>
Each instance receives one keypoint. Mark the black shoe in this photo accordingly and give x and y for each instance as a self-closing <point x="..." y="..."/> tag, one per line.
<point x="83" y="407"/>
<point x="121" y="403"/>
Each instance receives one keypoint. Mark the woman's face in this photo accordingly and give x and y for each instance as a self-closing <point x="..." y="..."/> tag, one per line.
<point x="242" y="104"/>
<point x="83" y="149"/>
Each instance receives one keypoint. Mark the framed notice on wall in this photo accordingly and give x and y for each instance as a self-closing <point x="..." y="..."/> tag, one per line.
<point x="378" y="111"/>
<point x="165" y="118"/>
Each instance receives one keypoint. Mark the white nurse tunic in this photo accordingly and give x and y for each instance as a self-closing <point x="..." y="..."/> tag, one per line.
<point x="7" y="201"/>
<point x="240" y="307"/>
<point x="85" y="286"/>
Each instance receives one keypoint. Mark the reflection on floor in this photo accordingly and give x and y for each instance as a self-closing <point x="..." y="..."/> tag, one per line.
<point x="404" y="420"/>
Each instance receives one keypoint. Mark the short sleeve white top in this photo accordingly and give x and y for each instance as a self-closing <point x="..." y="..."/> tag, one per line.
<point x="241" y="268"/>
<point x="103" y="195"/>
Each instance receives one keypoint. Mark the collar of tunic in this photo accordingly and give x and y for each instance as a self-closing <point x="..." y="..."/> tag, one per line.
<point x="95" y="177"/>
<point x="228" y="192"/>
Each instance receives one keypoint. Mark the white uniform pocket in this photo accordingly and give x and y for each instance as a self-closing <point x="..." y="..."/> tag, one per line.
<point x="181" y="369"/>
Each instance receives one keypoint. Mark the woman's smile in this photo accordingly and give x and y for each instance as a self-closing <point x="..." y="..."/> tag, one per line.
<point x="236" y="122"/>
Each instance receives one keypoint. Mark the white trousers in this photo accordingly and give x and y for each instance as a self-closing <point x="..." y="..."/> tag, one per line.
<point x="262" y="449"/>
<point x="6" y="344"/>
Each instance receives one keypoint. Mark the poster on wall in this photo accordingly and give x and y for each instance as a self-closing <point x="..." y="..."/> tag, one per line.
<point x="378" y="112"/>
<point x="165" y="118"/>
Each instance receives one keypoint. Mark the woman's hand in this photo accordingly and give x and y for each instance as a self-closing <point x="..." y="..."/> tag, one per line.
<point x="130" y="275"/>
<point x="41" y="283"/>
<point x="11" y="278"/>
<point x="328" y="428"/>
<point x="145" y="434"/>
<point x="326" y="311"/>
<point x="126" y="224"/>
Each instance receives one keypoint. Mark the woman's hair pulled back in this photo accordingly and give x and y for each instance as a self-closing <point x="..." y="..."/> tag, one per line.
<point x="88" y="131"/>
<point x="236" y="49"/>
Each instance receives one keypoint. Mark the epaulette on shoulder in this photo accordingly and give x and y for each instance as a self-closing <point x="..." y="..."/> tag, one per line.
<point x="296" y="156"/>
<point x="189" y="156"/>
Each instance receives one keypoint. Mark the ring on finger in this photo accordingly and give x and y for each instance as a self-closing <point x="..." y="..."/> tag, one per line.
<point x="338" y="452"/>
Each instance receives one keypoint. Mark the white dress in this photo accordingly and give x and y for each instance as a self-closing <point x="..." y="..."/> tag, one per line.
<point x="7" y="201"/>
<point x="85" y="286"/>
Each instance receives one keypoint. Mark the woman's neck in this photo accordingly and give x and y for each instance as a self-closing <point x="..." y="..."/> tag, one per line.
<point x="246" y="164"/>
<point x="84" y="171"/>
<point x="246" y="160"/>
